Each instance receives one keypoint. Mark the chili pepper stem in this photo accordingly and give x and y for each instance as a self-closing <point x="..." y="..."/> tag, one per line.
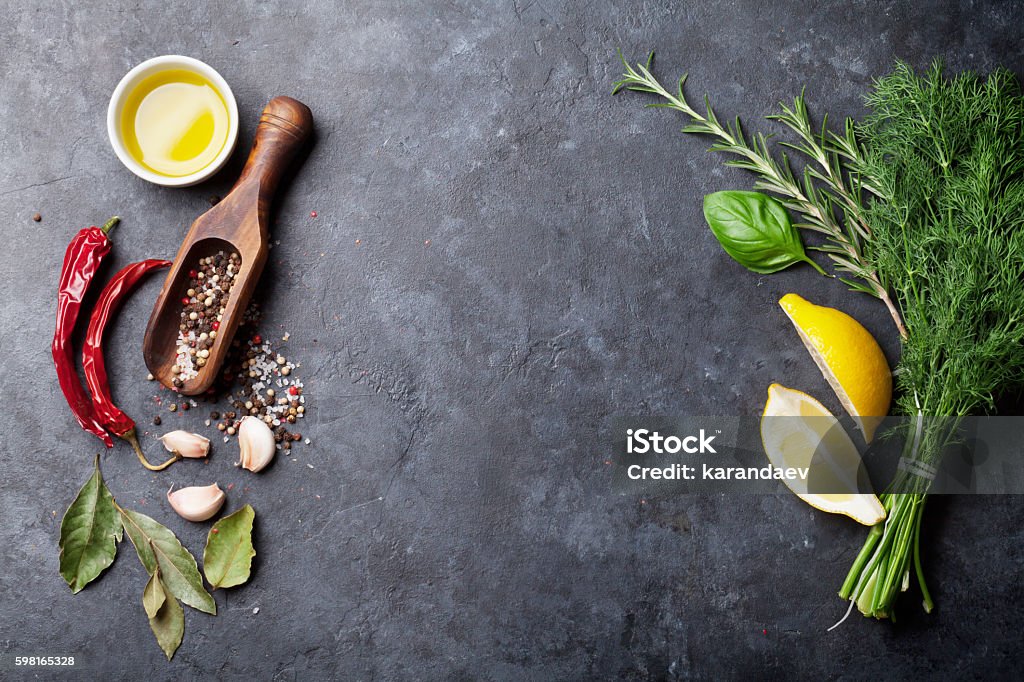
<point x="133" y="440"/>
<point x="109" y="225"/>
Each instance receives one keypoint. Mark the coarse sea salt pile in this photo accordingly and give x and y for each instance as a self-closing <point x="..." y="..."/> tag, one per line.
<point x="264" y="384"/>
<point x="267" y="389"/>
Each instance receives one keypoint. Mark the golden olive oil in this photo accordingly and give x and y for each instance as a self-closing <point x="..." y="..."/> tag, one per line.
<point x="175" y="122"/>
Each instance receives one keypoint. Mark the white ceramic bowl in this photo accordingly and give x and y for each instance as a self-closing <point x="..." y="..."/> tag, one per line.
<point x="128" y="83"/>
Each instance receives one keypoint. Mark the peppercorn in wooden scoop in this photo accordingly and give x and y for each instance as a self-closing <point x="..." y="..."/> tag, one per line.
<point x="218" y="265"/>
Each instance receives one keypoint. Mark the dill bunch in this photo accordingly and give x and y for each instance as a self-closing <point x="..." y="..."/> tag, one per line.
<point x="945" y="157"/>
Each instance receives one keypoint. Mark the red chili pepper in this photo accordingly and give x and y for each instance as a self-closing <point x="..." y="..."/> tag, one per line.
<point x="81" y="261"/>
<point x="112" y="417"/>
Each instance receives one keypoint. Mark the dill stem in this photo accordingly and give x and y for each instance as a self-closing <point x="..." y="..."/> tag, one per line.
<point x="925" y="594"/>
<point x="853" y="577"/>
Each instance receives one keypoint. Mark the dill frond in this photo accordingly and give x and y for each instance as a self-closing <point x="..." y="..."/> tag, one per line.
<point x="947" y="156"/>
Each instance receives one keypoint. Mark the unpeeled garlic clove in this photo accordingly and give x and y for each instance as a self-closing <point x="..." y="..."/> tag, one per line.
<point x="197" y="503"/>
<point x="186" y="444"/>
<point x="256" y="444"/>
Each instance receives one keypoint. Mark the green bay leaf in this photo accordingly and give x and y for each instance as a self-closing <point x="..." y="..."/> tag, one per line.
<point x="153" y="596"/>
<point x="168" y="623"/>
<point x="159" y="549"/>
<point x="89" y="533"/>
<point x="227" y="558"/>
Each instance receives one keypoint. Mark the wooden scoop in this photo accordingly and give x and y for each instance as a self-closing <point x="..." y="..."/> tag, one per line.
<point x="238" y="223"/>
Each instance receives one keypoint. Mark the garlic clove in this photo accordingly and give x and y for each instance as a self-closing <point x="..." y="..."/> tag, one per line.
<point x="256" y="444"/>
<point x="197" y="503"/>
<point x="186" y="444"/>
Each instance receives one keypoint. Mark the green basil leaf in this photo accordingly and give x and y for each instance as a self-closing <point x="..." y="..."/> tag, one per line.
<point x="168" y="623"/>
<point x="89" y="533"/>
<point x="755" y="229"/>
<point x="227" y="558"/>
<point x="159" y="550"/>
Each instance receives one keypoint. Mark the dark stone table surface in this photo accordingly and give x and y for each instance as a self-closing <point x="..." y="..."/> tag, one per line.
<point x="503" y="257"/>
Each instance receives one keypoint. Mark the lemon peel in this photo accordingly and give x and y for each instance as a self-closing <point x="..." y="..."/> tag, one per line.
<point x="798" y="431"/>
<point x="849" y="358"/>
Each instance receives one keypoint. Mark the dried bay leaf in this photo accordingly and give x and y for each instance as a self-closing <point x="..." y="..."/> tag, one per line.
<point x="168" y="623"/>
<point x="89" y="533"/>
<point x="153" y="596"/>
<point x="159" y="550"/>
<point x="227" y="559"/>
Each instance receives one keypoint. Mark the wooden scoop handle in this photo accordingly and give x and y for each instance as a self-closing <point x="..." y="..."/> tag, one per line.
<point x="284" y="128"/>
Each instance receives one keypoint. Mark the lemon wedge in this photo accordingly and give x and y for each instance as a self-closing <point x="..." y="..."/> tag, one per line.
<point x="848" y="356"/>
<point x="797" y="431"/>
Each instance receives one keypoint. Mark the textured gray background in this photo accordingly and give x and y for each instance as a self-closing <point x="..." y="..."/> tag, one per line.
<point x="568" y="277"/>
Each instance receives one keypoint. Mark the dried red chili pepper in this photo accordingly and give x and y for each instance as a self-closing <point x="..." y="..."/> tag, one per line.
<point x="81" y="261"/>
<point x="112" y="417"/>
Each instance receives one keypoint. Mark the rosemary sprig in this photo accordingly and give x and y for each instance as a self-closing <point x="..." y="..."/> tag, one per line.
<point x="821" y="191"/>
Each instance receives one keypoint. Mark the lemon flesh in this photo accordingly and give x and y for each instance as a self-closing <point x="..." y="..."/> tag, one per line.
<point x="849" y="358"/>
<point x="797" y="431"/>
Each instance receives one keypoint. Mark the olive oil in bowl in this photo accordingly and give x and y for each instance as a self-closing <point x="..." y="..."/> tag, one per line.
<point x="173" y="120"/>
<point x="175" y="123"/>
